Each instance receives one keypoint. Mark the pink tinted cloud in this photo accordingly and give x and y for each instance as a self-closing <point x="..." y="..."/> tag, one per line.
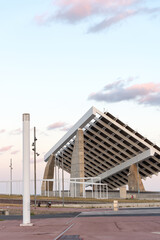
<point x="5" y="149"/>
<point x="40" y="19"/>
<point x="146" y="87"/>
<point x="66" y="129"/>
<point x="77" y="10"/>
<point x="73" y="11"/>
<point x="56" y="125"/>
<point x="109" y="12"/>
<point x="15" y="152"/>
<point x="85" y="8"/>
<point x="146" y="93"/>
<point x="2" y="131"/>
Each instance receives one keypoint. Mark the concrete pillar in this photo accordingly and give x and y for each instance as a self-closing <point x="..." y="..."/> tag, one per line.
<point x="48" y="174"/>
<point x="134" y="179"/>
<point x="26" y="170"/>
<point x="123" y="192"/>
<point x="77" y="164"/>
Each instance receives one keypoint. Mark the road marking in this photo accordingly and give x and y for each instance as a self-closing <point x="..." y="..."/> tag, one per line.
<point x="156" y="232"/>
<point x="63" y="232"/>
<point x="73" y="218"/>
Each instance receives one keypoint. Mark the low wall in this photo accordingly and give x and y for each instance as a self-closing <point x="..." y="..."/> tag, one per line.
<point x="132" y="194"/>
<point x="113" y="194"/>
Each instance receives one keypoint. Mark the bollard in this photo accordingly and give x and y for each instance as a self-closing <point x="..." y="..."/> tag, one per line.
<point x="115" y="205"/>
<point x="7" y="212"/>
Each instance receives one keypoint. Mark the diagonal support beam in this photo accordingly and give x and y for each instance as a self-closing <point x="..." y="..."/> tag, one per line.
<point x="71" y="133"/>
<point x="142" y="156"/>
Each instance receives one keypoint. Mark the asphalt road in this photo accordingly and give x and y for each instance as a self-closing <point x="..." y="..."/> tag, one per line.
<point x="107" y="213"/>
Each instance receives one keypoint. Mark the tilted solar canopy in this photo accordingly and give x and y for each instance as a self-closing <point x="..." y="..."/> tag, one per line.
<point x="110" y="148"/>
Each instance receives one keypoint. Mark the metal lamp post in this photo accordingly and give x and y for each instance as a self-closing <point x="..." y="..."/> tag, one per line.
<point x="11" y="168"/>
<point x="55" y="168"/>
<point x="62" y="180"/>
<point x="35" y="154"/>
<point x="138" y="178"/>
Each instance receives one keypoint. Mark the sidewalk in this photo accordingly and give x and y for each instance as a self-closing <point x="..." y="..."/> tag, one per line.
<point x="87" y="227"/>
<point x="108" y="228"/>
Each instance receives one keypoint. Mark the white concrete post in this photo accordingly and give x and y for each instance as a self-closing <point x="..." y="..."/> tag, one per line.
<point x="92" y="188"/>
<point x="63" y="179"/>
<point x="26" y="170"/>
<point x="58" y="181"/>
<point x="55" y="167"/>
<point x="48" y="187"/>
<point x="100" y="190"/>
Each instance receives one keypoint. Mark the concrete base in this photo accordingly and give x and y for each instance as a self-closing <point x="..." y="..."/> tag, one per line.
<point x="26" y="224"/>
<point x="123" y="192"/>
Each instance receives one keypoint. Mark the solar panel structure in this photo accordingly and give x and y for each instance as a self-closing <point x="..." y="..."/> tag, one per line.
<point x="110" y="148"/>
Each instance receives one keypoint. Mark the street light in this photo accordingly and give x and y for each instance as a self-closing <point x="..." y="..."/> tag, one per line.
<point x="55" y="168"/>
<point x="62" y="179"/>
<point x="138" y="178"/>
<point x="11" y="168"/>
<point x="35" y="154"/>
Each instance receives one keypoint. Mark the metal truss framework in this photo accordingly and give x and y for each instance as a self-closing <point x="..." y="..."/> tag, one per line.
<point x="110" y="148"/>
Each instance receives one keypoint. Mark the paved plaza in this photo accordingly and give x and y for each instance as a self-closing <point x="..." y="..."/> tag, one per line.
<point x="140" y="224"/>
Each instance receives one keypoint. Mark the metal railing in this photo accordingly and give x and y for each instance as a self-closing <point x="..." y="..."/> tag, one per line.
<point x="74" y="187"/>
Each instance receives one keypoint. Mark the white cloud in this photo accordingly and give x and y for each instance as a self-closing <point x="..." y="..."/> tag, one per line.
<point x="109" y="12"/>
<point x="147" y="93"/>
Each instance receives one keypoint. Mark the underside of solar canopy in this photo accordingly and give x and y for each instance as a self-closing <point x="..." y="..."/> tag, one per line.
<point x="110" y="148"/>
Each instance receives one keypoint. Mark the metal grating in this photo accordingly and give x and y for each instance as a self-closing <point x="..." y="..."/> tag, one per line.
<point x="70" y="237"/>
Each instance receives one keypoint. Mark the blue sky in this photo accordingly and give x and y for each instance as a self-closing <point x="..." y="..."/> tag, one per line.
<point x="56" y="54"/>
